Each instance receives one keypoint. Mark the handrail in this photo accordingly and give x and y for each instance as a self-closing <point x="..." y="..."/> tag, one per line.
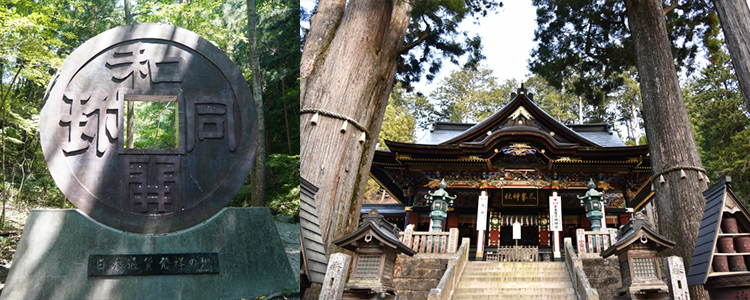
<point x="583" y="289"/>
<point x="456" y="265"/>
<point x="430" y="242"/>
<point x="514" y="253"/>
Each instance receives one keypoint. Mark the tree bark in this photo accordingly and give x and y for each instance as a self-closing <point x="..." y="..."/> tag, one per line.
<point x="286" y="119"/>
<point x="348" y="68"/>
<point x="130" y="107"/>
<point x="259" y="168"/>
<point x="128" y="15"/>
<point x="679" y="202"/>
<point x="734" y="16"/>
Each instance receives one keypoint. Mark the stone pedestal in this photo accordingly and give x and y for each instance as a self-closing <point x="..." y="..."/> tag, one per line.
<point x="338" y="268"/>
<point x="52" y="259"/>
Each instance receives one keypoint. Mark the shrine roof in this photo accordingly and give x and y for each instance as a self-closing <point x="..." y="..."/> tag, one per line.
<point x="721" y="202"/>
<point x="442" y="131"/>
<point x="313" y="252"/>
<point x="385" y="209"/>
<point x="599" y="133"/>
<point x="454" y="133"/>
<point x="374" y="225"/>
<point x="635" y="230"/>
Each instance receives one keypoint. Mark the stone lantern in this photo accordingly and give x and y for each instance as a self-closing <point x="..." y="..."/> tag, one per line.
<point x="439" y="202"/>
<point x="592" y="202"/>
<point x="376" y="246"/>
<point x="636" y="249"/>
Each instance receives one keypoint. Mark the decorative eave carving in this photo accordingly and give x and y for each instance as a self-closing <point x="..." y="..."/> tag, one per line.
<point x="521" y="111"/>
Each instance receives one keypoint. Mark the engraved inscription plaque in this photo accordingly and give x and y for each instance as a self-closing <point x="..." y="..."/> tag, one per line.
<point x="149" y="128"/>
<point x="153" y="264"/>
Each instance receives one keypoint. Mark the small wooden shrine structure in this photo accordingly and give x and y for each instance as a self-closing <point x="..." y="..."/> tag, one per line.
<point x="376" y="246"/>
<point x="637" y="250"/>
<point x="722" y="249"/>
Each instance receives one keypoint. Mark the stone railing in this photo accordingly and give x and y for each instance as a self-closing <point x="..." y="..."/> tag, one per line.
<point x="583" y="289"/>
<point x="595" y="241"/>
<point x="514" y="253"/>
<point x="430" y="242"/>
<point x="449" y="281"/>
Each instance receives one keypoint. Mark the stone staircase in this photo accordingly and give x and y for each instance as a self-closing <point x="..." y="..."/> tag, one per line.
<point x="515" y="280"/>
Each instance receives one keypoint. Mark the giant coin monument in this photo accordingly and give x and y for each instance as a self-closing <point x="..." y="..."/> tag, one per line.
<point x="149" y="130"/>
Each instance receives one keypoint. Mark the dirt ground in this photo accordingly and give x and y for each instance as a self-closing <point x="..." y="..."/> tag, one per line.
<point x="289" y="232"/>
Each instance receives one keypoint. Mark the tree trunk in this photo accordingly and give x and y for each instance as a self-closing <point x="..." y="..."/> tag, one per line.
<point x="286" y="119"/>
<point x="259" y="168"/>
<point x="130" y="107"/>
<point x="348" y="68"/>
<point x="679" y="202"/>
<point x="734" y="16"/>
<point x="128" y="15"/>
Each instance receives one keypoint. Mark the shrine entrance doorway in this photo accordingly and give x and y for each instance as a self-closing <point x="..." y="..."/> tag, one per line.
<point x="529" y="236"/>
<point x="500" y="228"/>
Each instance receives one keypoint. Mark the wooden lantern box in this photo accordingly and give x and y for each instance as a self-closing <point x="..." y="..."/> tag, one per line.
<point x="637" y="250"/>
<point x="376" y="246"/>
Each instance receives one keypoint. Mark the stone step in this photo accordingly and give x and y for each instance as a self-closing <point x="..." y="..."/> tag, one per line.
<point x="480" y="264"/>
<point x="496" y="274"/>
<point x="515" y="284"/>
<point x="512" y="291"/>
<point x="515" y="280"/>
<point x="532" y="271"/>
<point x="516" y="297"/>
<point x="516" y="265"/>
<point x="516" y="270"/>
<point x="490" y="269"/>
<point x="535" y="279"/>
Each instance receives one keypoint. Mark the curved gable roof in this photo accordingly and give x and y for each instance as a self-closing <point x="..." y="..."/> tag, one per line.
<point x="520" y="105"/>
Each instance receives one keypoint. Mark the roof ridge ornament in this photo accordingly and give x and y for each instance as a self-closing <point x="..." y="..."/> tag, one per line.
<point x="522" y="90"/>
<point x="521" y="110"/>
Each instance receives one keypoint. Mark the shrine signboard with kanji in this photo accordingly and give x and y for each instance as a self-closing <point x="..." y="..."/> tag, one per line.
<point x="555" y="212"/>
<point x="177" y="163"/>
<point x="520" y="197"/>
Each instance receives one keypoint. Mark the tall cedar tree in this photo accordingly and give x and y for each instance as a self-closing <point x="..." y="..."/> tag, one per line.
<point x="352" y="53"/>
<point x="259" y="168"/>
<point x="589" y="42"/>
<point x="722" y="128"/>
<point x="679" y="201"/>
<point x="735" y="20"/>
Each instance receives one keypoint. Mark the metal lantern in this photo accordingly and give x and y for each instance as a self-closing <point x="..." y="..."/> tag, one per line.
<point x="592" y="202"/>
<point x="439" y="202"/>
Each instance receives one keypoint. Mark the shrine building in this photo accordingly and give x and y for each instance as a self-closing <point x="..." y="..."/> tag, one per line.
<point x="518" y="158"/>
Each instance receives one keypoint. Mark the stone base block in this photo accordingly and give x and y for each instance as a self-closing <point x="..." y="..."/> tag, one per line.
<point x="52" y="259"/>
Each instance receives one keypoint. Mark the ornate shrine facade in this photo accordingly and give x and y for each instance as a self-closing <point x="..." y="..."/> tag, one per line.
<point x="519" y="156"/>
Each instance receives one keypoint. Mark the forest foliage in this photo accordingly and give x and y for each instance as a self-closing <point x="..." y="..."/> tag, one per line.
<point x="36" y="36"/>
